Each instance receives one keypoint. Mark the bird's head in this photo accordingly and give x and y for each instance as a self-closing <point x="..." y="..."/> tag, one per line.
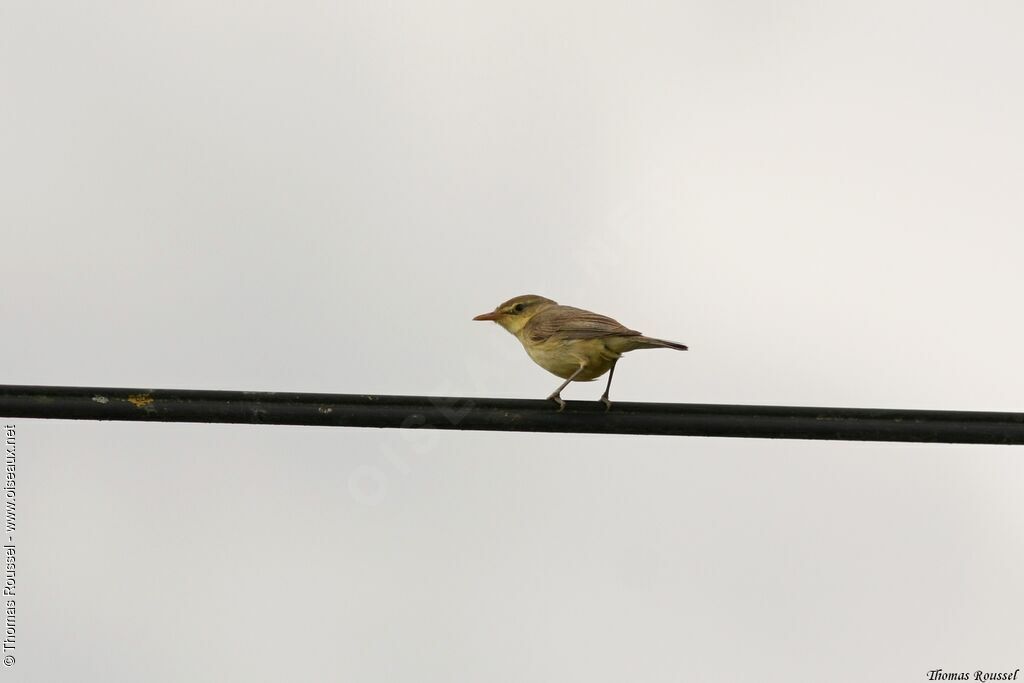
<point x="515" y="313"/>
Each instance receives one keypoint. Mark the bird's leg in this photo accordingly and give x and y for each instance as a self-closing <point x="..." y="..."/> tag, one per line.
<point x="556" y="394"/>
<point x="604" y="396"/>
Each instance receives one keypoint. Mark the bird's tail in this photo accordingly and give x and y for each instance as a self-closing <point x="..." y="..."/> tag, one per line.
<point x="651" y="343"/>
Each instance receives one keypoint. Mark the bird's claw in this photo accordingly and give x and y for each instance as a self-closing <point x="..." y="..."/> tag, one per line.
<point x="607" y="403"/>
<point x="557" y="399"/>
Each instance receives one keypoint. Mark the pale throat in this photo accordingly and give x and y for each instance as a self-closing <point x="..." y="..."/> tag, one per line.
<point x="514" y="325"/>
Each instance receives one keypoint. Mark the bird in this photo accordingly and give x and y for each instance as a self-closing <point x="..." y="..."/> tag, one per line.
<point x="572" y="343"/>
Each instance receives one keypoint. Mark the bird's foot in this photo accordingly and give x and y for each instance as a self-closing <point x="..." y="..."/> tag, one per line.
<point x="607" y="403"/>
<point x="556" y="397"/>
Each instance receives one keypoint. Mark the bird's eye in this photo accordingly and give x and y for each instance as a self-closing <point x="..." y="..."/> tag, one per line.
<point x="518" y="308"/>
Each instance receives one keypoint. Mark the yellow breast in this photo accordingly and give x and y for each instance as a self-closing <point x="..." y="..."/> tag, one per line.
<point x="562" y="357"/>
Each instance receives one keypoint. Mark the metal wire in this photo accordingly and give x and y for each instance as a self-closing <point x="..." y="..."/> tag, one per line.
<point x="512" y="415"/>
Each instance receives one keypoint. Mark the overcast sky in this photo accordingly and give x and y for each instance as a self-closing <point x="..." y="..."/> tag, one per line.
<point x="823" y="200"/>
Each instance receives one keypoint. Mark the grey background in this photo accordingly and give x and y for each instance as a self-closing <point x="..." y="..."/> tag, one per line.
<point x="822" y="199"/>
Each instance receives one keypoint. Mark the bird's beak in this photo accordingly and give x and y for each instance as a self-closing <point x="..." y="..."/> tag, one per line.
<point x="493" y="315"/>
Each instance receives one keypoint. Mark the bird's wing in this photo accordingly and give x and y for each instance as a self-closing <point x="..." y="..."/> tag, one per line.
<point x="566" y="322"/>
